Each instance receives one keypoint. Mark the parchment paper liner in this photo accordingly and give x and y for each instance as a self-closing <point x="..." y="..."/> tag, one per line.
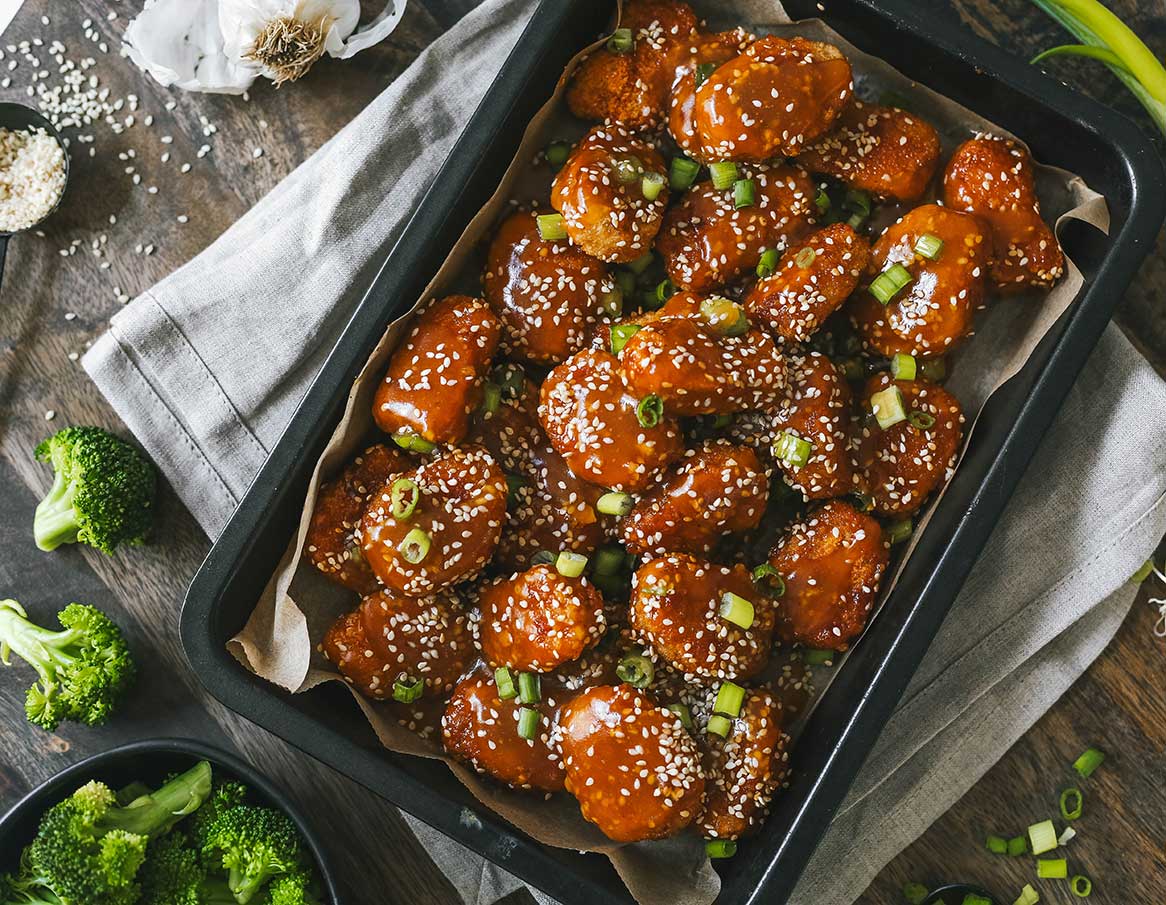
<point x="278" y="642"/>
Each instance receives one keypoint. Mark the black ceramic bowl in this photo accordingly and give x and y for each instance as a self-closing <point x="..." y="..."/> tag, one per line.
<point x="150" y="761"/>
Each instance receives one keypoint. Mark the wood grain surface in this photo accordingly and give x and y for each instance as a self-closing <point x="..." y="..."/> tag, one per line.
<point x="52" y="305"/>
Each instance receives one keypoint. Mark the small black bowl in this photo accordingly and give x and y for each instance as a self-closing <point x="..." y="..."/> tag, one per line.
<point x="150" y="761"/>
<point x="953" y="894"/>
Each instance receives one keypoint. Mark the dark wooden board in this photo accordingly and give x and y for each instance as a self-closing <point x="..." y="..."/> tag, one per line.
<point x="379" y="856"/>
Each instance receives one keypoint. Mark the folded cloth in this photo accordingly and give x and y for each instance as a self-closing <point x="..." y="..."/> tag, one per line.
<point x="207" y="387"/>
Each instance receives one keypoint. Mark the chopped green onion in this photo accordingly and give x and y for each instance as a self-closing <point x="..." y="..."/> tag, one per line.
<point x="915" y="893"/>
<point x="404" y="495"/>
<point x="1143" y="573"/>
<point x="744" y="193"/>
<point x="1072" y="803"/>
<point x="1081" y="886"/>
<point x="528" y="723"/>
<point x="612" y="302"/>
<point x="792" y="449"/>
<point x="551" y="227"/>
<point x="650" y="410"/>
<point x="620" y="334"/>
<point x="620" y="41"/>
<point x="736" y="609"/>
<point x="505" y="683"/>
<point x="652" y="185"/>
<point x="408" y="692"/>
<point x="703" y="71"/>
<point x="529" y="688"/>
<point x="1017" y="846"/>
<point x="899" y="531"/>
<point x="720" y="725"/>
<point x="724" y="315"/>
<point x="625" y="280"/>
<point x="664" y="291"/>
<point x="640" y="264"/>
<point x="491" y="397"/>
<point x="903" y="366"/>
<point x="627" y="169"/>
<point x="557" y="153"/>
<point x="818" y="657"/>
<point x="413" y="442"/>
<point x="609" y="560"/>
<point x="929" y="246"/>
<point x="614" y="503"/>
<point x="997" y="845"/>
<point x="857" y="202"/>
<point x="1043" y="837"/>
<point x="805" y="257"/>
<point x="682" y="711"/>
<point x="682" y="173"/>
<point x="724" y="173"/>
<point x="890" y="283"/>
<point x="855" y="221"/>
<point x="822" y="202"/>
<point x="922" y="420"/>
<point x="768" y="263"/>
<point x="767" y="576"/>
<point x="972" y="899"/>
<point x="1052" y="868"/>
<point x="542" y="558"/>
<point x="730" y="697"/>
<point x="636" y="669"/>
<point x="415" y="546"/>
<point x="1088" y="762"/>
<point x="933" y="369"/>
<point x="1028" y="896"/>
<point x="888" y="407"/>
<point x="1066" y="836"/>
<point x="570" y="565"/>
<point x="720" y="848"/>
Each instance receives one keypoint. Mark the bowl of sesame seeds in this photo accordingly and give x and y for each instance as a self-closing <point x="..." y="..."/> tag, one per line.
<point x="34" y="168"/>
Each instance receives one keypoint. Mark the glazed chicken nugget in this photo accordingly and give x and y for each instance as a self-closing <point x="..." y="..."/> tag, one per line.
<point x="537" y="620"/>
<point x="815" y="277"/>
<point x="331" y="544"/>
<point x="706" y="240"/>
<point x="772" y="99"/>
<point x="714" y="490"/>
<point x="602" y="196"/>
<point x="632" y="88"/>
<point x="744" y="769"/>
<point x="438" y="524"/>
<point x="705" y="53"/>
<point x="346" y="644"/>
<point x="831" y="563"/>
<point x="898" y="467"/>
<point x="549" y="296"/>
<point x="677" y="603"/>
<point x="709" y="364"/>
<point x="434" y="378"/>
<point x="632" y="765"/>
<point x="993" y="178"/>
<point x="481" y="729"/>
<point x="882" y="150"/>
<point x="601" y="429"/>
<point x="934" y="310"/>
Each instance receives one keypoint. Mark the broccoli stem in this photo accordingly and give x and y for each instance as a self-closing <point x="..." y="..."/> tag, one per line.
<point x="38" y="647"/>
<point x="154" y="814"/>
<point x="55" y="521"/>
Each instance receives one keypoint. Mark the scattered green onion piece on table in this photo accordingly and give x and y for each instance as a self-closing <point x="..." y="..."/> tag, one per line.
<point x="922" y="420"/>
<point x="652" y="185"/>
<point x="408" y="692"/>
<point x="899" y="531"/>
<point x="415" y="546"/>
<point x="703" y="71"/>
<point x="1089" y="761"/>
<point x="736" y="609"/>
<point x="505" y="683"/>
<point x="1072" y="803"/>
<point x="1052" y="868"/>
<point x="1067" y="834"/>
<point x="664" y="291"/>
<point x="730" y="697"/>
<point x="744" y="193"/>
<point x="557" y="153"/>
<point x="768" y="263"/>
<point x="1042" y="837"/>
<point x="636" y="669"/>
<point x="767" y="576"/>
<point x="888" y="407"/>
<point x="890" y="283"/>
<point x="682" y="173"/>
<point x="551" y="227"/>
<point x="915" y="893"/>
<point x="720" y="725"/>
<point x="570" y="565"/>
<point x="997" y="845"/>
<point x="929" y="246"/>
<point x="404" y="495"/>
<point x="933" y="369"/>
<point x="620" y="334"/>
<point x="792" y="449"/>
<point x="720" y="848"/>
<point x="1017" y="846"/>
<point x="1081" y="886"/>
<point x="822" y="202"/>
<point x="609" y="560"/>
<point x="615" y="503"/>
<point x="642" y="263"/>
<point x="650" y="410"/>
<point x="528" y="723"/>
<point x="1028" y="896"/>
<point x="542" y="558"/>
<point x="413" y="442"/>
<point x="682" y="711"/>
<point x="491" y="397"/>
<point x="621" y="41"/>
<point x="529" y="688"/>
<point x="815" y="656"/>
<point x="805" y="257"/>
<point x="903" y="366"/>
<point x="724" y="173"/>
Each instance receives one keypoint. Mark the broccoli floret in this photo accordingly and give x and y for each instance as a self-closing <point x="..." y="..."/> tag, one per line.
<point x="84" y="669"/>
<point x="254" y="845"/>
<point x="88" y="850"/>
<point x="174" y="875"/>
<point x="291" y="889"/>
<point x="102" y="495"/>
<point x="225" y="795"/>
<point x="19" y="891"/>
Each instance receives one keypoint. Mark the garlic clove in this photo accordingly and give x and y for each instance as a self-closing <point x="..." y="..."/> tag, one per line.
<point x="180" y="44"/>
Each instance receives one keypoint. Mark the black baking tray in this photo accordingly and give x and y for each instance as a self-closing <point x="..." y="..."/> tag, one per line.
<point x="1062" y="128"/>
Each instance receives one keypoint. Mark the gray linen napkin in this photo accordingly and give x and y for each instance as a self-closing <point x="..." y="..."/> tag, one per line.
<point x="207" y="389"/>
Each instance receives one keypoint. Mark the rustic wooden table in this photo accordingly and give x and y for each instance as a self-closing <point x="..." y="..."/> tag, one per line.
<point x="58" y="296"/>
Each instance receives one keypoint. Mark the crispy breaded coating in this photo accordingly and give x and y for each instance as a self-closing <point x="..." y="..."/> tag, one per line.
<point x="706" y="50"/>
<point x="427" y="638"/>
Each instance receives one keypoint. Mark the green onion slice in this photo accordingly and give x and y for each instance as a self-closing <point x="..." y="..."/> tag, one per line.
<point x="626" y="281"/>
<point x="1018" y="845"/>
<point x="557" y="153"/>
<point x="636" y="669"/>
<point x="767" y="576"/>
<point x="570" y="565"/>
<point x="529" y="688"/>
<point x="614" y="503"/>
<point x="413" y="442"/>
<point x="818" y="656"/>
<point x="890" y="283"/>
<point x="664" y="291"/>
<point x="652" y="185"/>
<point x="1043" y="837"/>
<point x="1072" y="803"/>
<point x="805" y="257"/>
<point x="997" y="845"/>
<point x="724" y="315"/>
<point x="915" y="893"/>
<point x="730" y="697"/>
<point x="611" y="303"/>
<point x="620" y="334"/>
<point x="543" y="558"/>
<point x="628" y="168"/>
<point x="736" y="609"/>
<point x="609" y="560"/>
<point x="724" y="173"/>
<point x="1052" y="868"/>
<point x="682" y="711"/>
<point x="920" y="419"/>
<point x="720" y="725"/>
<point x="621" y="41"/>
<point x="551" y="227"/>
<point x="903" y="366"/>
<point x="528" y="723"/>
<point x="1143" y="572"/>
<point x="407" y="692"/>
<point x="792" y="449"/>
<point x="822" y="202"/>
<point x="933" y="369"/>
<point x="888" y="407"/>
<point x="491" y="397"/>
<point x="744" y="193"/>
<point x="929" y="246"/>
<point x="899" y="531"/>
<point x="768" y="263"/>
<point x="505" y="683"/>
<point x="702" y="73"/>
<point x="1089" y="761"/>
<point x="415" y="546"/>
<point x="650" y="410"/>
<point x="1081" y="886"/>
<point x="1028" y="896"/>
<point x="857" y="202"/>
<point x="720" y="848"/>
<point x="682" y="173"/>
<point x="404" y="495"/>
<point x="640" y="264"/>
<point x="1066" y="836"/>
